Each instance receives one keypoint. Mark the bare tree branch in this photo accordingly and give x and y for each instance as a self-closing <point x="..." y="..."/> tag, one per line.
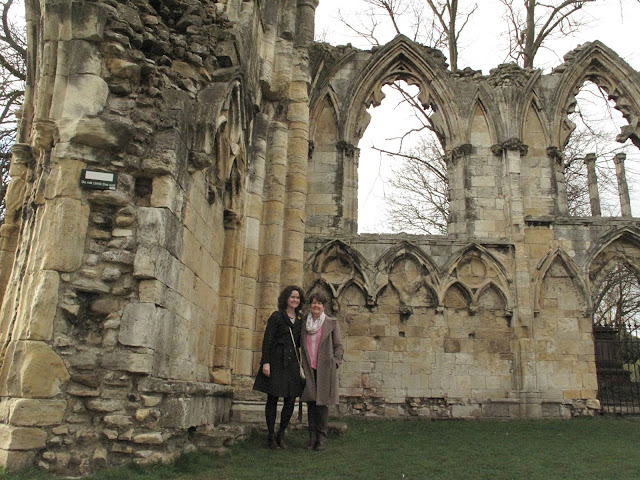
<point x="12" y="78"/>
<point x="530" y="26"/>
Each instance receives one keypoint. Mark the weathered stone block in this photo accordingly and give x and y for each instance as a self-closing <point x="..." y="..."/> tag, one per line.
<point x="62" y="231"/>
<point x="40" y="300"/>
<point x="129" y="361"/>
<point x="100" y="132"/>
<point x="32" y="370"/>
<point x="154" y="438"/>
<point x="30" y="412"/>
<point x="159" y="226"/>
<point x="140" y="325"/>
<point x="13" y="460"/>
<point x="21" y="438"/>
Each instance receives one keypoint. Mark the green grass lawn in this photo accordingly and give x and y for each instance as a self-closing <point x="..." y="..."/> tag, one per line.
<point x="583" y="448"/>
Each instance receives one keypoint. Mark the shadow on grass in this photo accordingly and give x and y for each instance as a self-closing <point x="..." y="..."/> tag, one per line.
<point x="583" y="448"/>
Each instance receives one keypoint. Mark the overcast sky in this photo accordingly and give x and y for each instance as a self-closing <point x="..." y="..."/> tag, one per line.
<point x="481" y="48"/>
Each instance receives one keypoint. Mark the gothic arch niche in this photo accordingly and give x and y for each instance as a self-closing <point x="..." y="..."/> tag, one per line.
<point x="562" y="328"/>
<point x="539" y="191"/>
<point x="480" y="134"/>
<point x="326" y="162"/>
<point x="478" y="272"/>
<point x="337" y="266"/>
<point x="227" y="190"/>
<point x="411" y="274"/>
<point x="476" y="307"/>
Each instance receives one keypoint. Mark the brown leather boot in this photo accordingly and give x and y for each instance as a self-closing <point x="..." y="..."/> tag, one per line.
<point x="313" y="435"/>
<point x="322" y="427"/>
<point x="313" y="440"/>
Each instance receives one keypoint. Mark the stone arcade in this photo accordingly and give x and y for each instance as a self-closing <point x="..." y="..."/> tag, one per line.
<point x="132" y="319"/>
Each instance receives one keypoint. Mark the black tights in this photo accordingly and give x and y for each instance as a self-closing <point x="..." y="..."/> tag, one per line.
<point x="270" y="412"/>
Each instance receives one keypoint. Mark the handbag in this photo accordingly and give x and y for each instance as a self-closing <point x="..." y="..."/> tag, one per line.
<point x="303" y="377"/>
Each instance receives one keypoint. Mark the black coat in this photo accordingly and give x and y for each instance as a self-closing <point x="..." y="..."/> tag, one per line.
<point x="278" y="351"/>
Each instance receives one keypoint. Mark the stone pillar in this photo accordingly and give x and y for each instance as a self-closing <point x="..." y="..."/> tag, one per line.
<point x="272" y="220"/>
<point x="592" y="182"/>
<point x="268" y="44"/>
<point x="462" y="207"/>
<point x="229" y="287"/>
<point x="296" y="193"/>
<point x="623" y="189"/>
<point x="557" y="159"/>
<point x="512" y="152"/>
<point x="248" y="339"/>
<point x="349" y="155"/>
<point x="305" y="22"/>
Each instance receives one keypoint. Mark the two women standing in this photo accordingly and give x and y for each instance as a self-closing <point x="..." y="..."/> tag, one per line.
<point x="321" y="344"/>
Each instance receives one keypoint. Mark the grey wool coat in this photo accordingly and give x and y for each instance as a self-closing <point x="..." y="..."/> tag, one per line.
<point x="325" y="391"/>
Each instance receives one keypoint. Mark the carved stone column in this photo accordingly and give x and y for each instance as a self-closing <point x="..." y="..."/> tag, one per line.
<point x="562" y="206"/>
<point x="349" y="156"/>
<point x="246" y="314"/>
<point x="592" y="182"/>
<point x="272" y="220"/>
<point x="226" y="331"/>
<point x="512" y="152"/>
<point x="305" y="22"/>
<point x="623" y="188"/>
<point x="462" y="206"/>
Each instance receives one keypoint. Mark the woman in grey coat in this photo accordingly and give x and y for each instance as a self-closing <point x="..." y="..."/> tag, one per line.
<point x="322" y="355"/>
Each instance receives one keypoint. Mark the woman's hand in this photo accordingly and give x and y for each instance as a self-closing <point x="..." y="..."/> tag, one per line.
<point x="266" y="369"/>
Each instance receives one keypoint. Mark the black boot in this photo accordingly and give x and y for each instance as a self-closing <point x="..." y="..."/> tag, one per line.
<point x="280" y="439"/>
<point x="271" y="441"/>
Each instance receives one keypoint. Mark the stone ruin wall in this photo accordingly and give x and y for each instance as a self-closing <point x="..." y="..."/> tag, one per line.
<point x="121" y="313"/>
<point x="132" y="319"/>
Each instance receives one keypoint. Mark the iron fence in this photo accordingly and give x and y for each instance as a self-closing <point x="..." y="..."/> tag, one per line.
<point x="617" y="352"/>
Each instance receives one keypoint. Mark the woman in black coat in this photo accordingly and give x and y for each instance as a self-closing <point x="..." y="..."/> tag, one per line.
<point x="279" y="373"/>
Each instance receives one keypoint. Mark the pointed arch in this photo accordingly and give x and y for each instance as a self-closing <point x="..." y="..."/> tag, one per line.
<point x="454" y="293"/>
<point x="338" y="265"/>
<point x="350" y="287"/>
<point x="534" y="116"/>
<point x="481" y="132"/>
<point x="402" y="249"/>
<point x="327" y="99"/>
<point x="403" y="59"/>
<point x="407" y="250"/>
<point x="599" y="64"/>
<point x="621" y="245"/>
<point x="487" y="290"/>
<point x="475" y="267"/>
<point x="559" y="256"/>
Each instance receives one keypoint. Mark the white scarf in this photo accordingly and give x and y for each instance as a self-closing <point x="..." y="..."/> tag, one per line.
<point x="314" y="325"/>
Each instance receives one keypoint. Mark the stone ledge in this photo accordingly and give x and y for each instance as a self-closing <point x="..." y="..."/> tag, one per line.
<point x="156" y="385"/>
